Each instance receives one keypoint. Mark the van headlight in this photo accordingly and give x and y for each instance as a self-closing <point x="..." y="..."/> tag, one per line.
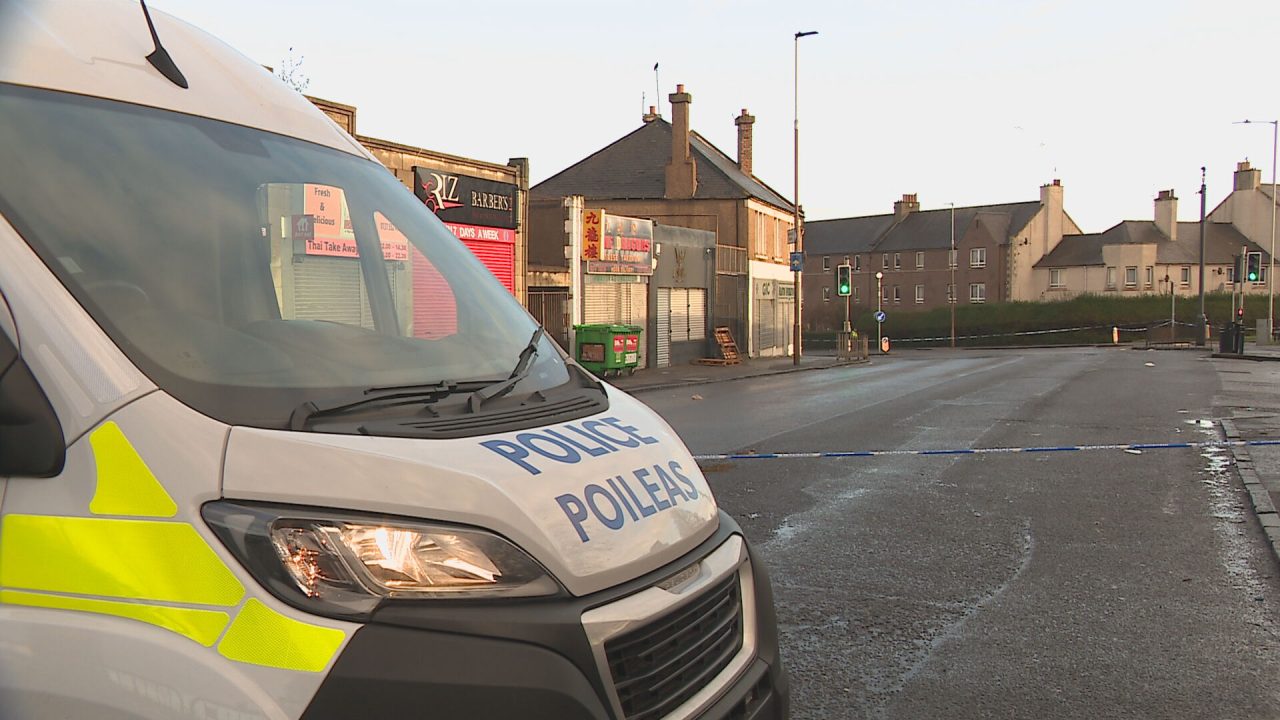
<point x="345" y="565"/>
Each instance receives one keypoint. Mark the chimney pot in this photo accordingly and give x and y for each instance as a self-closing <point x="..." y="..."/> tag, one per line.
<point x="744" y="122"/>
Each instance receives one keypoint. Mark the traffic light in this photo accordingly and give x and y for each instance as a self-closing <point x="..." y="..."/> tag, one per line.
<point x="844" y="280"/>
<point x="1253" y="270"/>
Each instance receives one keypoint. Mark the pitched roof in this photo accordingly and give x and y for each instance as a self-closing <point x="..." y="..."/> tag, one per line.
<point x="919" y="230"/>
<point x="1222" y="242"/>
<point x="634" y="168"/>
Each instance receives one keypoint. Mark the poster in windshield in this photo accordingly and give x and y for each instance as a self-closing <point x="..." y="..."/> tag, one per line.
<point x="626" y="247"/>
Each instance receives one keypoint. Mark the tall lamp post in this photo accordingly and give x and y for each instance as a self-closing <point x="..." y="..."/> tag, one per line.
<point x="1271" y="267"/>
<point x="795" y="353"/>
<point x="951" y="260"/>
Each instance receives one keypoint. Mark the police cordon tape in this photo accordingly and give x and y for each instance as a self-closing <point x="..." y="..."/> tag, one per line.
<point x="1025" y="333"/>
<point x="986" y="451"/>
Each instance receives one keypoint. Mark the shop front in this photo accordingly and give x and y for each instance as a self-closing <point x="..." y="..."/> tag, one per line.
<point x="617" y="257"/>
<point x="773" y="307"/>
<point x="480" y="212"/>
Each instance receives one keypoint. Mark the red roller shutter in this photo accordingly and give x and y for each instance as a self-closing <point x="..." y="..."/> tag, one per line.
<point x="435" y="311"/>
<point x="499" y="257"/>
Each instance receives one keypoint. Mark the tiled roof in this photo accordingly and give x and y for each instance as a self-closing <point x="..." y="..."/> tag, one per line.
<point x="1222" y="242"/>
<point x="919" y="230"/>
<point x="634" y="167"/>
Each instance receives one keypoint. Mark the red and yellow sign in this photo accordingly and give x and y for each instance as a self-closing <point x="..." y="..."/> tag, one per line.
<point x="592" y="231"/>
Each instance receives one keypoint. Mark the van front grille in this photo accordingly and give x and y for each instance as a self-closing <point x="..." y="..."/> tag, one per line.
<point x="658" y="667"/>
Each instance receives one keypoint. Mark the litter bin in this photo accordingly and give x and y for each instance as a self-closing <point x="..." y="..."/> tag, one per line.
<point x="606" y="349"/>
<point x="1231" y="339"/>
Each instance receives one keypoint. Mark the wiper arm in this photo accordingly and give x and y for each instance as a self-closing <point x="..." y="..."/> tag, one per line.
<point x="521" y="371"/>
<point x="387" y="396"/>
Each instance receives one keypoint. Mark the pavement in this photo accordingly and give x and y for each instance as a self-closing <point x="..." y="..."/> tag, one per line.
<point x="1249" y="409"/>
<point x="683" y="375"/>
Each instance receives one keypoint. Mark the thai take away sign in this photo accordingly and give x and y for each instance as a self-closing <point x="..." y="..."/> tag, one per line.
<point x="625" y="246"/>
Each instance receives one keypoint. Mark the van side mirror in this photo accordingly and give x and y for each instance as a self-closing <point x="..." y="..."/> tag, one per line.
<point x="31" y="439"/>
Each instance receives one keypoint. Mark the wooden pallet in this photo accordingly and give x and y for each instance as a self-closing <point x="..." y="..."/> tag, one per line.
<point x="728" y="349"/>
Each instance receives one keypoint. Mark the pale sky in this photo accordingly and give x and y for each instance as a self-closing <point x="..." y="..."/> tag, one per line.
<point x="970" y="101"/>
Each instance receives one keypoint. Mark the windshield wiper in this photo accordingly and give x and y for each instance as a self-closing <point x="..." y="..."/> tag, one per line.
<point x="386" y="396"/>
<point x="521" y="371"/>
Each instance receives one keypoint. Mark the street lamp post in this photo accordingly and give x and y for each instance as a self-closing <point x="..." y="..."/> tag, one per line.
<point x="795" y="351"/>
<point x="1271" y="267"/>
<point x="879" y="299"/>
<point x="951" y="260"/>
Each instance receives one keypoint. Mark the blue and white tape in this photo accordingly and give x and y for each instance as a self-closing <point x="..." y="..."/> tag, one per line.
<point x="987" y="451"/>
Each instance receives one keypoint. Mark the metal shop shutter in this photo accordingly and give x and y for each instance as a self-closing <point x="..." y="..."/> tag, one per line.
<point x="499" y="257"/>
<point x="679" y="314"/>
<point x="663" y="323"/>
<point x="435" y="310"/>
<point x="600" y="303"/>
<point x="697" y="314"/>
<point x="623" y="303"/>
<point x="328" y="288"/>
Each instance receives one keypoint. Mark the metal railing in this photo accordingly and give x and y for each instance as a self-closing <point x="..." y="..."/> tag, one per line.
<point x="731" y="260"/>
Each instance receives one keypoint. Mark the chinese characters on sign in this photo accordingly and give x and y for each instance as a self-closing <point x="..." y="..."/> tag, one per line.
<point x="592" y="229"/>
<point x="625" y="245"/>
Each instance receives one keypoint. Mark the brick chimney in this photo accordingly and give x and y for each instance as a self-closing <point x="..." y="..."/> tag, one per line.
<point x="1051" y="201"/>
<point x="1167" y="213"/>
<point x="744" y="122"/>
<point x="682" y="172"/>
<point x="1247" y="177"/>
<point x="904" y="207"/>
<point x="651" y="115"/>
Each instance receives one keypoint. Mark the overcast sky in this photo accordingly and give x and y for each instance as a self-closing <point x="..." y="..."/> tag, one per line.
<point x="963" y="101"/>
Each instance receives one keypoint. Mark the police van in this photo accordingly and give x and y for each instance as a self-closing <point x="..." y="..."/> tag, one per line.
<point x="274" y="444"/>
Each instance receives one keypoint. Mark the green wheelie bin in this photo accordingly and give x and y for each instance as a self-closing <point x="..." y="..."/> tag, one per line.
<point x="608" y="349"/>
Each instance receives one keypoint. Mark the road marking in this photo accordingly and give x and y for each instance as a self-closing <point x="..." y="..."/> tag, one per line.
<point x="987" y="451"/>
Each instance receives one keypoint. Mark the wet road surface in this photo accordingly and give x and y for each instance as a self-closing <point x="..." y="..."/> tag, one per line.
<point x="1056" y="585"/>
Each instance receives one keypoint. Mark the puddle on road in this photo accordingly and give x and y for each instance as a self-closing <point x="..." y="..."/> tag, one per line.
<point x="1227" y="507"/>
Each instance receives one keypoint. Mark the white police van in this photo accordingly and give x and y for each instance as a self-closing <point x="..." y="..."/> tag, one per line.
<point x="273" y="444"/>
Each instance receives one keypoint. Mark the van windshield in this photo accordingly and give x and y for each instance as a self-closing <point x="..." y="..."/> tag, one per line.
<point x="247" y="272"/>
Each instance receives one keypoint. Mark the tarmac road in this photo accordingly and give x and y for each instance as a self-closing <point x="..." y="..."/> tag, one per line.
<point x="1049" y="585"/>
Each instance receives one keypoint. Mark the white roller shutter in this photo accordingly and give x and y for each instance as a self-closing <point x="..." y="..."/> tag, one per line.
<point x="697" y="314"/>
<point x="327" y="288"/>
<point x="600" y="303"/>
<point x="663" y="324"/>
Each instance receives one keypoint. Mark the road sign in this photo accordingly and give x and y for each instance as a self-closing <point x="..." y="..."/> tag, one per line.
<point x="880" y="316"/>
<point x="797" y="261"/>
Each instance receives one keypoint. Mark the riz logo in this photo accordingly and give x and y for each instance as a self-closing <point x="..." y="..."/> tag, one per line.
<point x="441" y="191"/>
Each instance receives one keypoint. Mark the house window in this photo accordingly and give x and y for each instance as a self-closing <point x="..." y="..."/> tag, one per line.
<point x="884" y="261"/>
<point x="951" y="294"/>
<point x="897" y="261"/>
<point x="1231" y="276"/>
<point x="1151" y="277"/>
<point x="1186" y="276"/>
<point x="1055" y="278"/>
<point x="951" y="258"/>
<point x="857" y="296"/>
<point x="977" y="292"/>
<point x="826" y="294"/>
<point x="1131" y="276"/>
<point x="978" y="257"/>
<point x="826" y="263"/>
<point x="884" y="295"/>
<point x="919" y="259"/>
<point x="897" y="295"/>
<point x="1111" y="278"/>
<point x="857" y="263"/>
<point x="919" y="294"/>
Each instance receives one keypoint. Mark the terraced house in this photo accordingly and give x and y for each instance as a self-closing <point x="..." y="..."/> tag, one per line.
<point x="977" y="254"/>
